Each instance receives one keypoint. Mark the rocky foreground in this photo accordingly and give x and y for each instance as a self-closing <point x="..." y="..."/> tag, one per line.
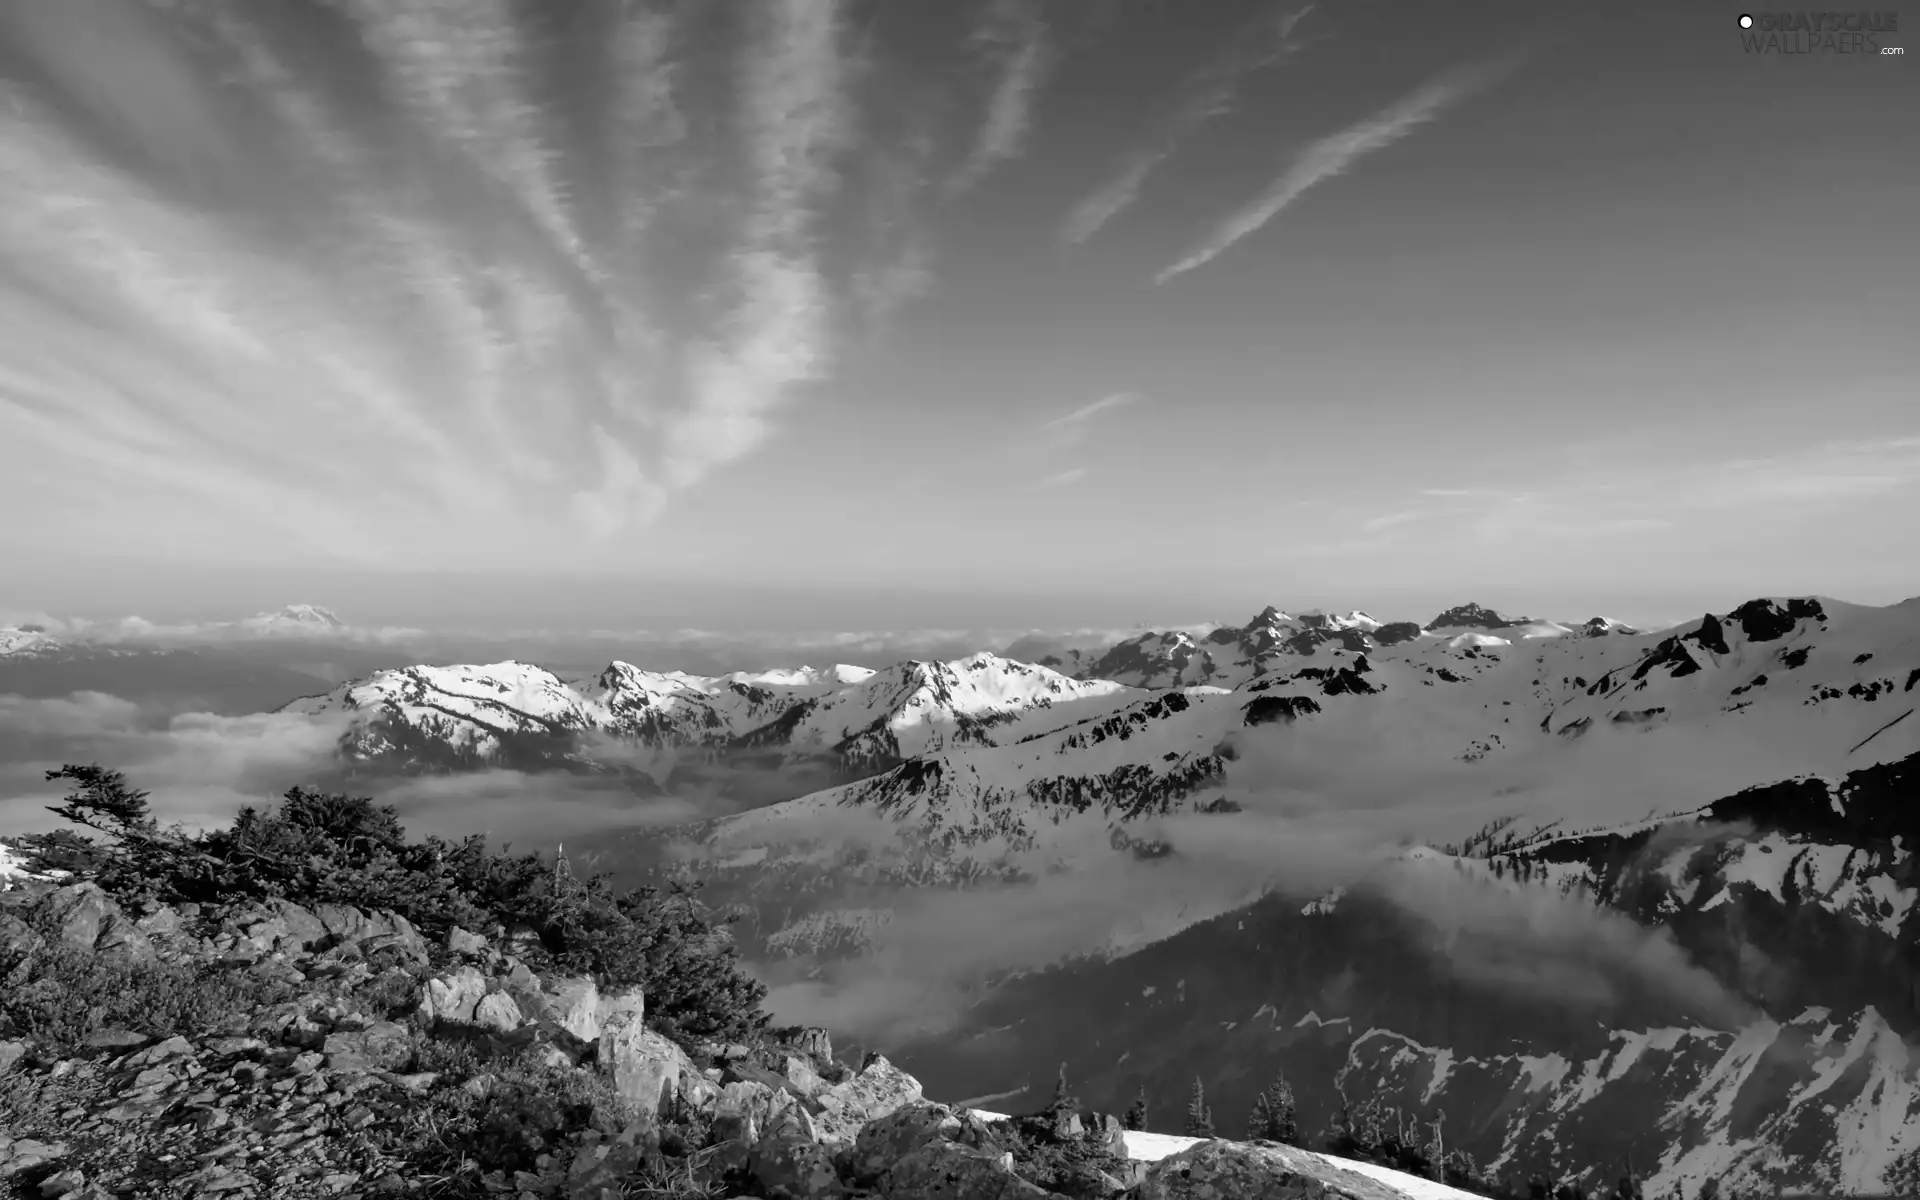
<point x="360" y="1059"/>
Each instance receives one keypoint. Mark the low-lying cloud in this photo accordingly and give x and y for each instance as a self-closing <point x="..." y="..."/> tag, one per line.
<point x="200" y="767"/>
<point x="1324" y="807"/>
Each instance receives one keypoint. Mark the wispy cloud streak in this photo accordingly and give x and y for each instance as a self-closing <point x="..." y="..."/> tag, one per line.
<point x="1211" y="95"/>
<point x="795" y="104"/>
<point x="1073" y="424"/>
<point x="1013" y="36"/>
<point x="1333" y="156"/>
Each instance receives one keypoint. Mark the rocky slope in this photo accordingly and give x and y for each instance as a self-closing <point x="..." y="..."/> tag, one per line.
<point x="448" y="1090"/>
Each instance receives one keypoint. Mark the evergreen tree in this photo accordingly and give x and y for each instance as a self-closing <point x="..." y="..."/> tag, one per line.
<point x="1274" y="1118"/>
<point x="1062" y="1101"/>
<point x="1199" y="1116"/>
<point x="1136" y="1116"/>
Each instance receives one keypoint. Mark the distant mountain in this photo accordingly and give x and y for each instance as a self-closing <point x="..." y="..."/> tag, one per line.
<point x="295" y="620"/>
<point x="423" y="717"/>
<point x="1230" y="656"/>
<point x="27" y="641"/>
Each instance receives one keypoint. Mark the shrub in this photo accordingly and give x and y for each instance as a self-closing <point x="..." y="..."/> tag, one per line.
<point x="65" y="995"/>
<point x="1070" y="1164"/>
<point x="325" y="848"/>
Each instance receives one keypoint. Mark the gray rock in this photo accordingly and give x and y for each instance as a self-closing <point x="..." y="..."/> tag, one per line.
<point x="462" y="942"/>
<point x="383" y="1045"/>
<point x="498" y="1012"/>
<point x="888" y="1139"/>
<point x="77" y="913"/>
<point x="880" y="1088"/>
<point x="574" y="1005"/>
<point x="944" y="1171"/>
<point x="302" y="925"/>
<point x="740" y="1112"/>
<point x="605" y="1164"/>
<point x="630" y="1001"/>
<point x="789" y="1167"/>
<point x="646" y="1069"/>
<point x="453" y="996"/>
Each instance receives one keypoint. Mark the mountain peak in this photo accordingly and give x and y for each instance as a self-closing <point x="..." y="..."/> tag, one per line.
<point x="1473" y="616"/>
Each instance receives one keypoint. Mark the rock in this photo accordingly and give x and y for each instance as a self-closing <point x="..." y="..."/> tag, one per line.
<point x="647" y="1070"/>
<point x="77" y="913"/>
<point x="303" y="926"/>
<point x="115" y="1039"/>
<point x="888" y="1139"/>
<point x="1217" y="1169"/>
<point x="162" y="922"/>
<point x="341" y="922"/>
<point x="788" y="1167"/>
<point x="460" y="941"/>
<point x="453" y="996"/>
<point x="631" y="1001"/>
<point x="800" y="1073"/>
<point x="812" y="1041"/>
<point x="160" y="1052"/>
<point x="740" y="1111"/>
<point x="574" y="1005"/>
<point x="880" y="1088"/>
<point x="383" y="1045"/>
<point x="63" y="1182"/>
<point x="498" y="1012"/>
<point x="122" y="940"/>
<point x="748" y="1071"/>
<point x="945" y="1171"/>
<point x="11" y="1052"/>
<point x="606" y="1164"/>
<point x="26" y="1153"/>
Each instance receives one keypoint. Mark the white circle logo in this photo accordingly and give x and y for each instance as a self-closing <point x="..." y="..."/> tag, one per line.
<point x="1746" y="22"/>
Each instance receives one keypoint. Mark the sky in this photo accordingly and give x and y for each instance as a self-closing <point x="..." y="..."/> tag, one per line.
<point x="848" y="313"/>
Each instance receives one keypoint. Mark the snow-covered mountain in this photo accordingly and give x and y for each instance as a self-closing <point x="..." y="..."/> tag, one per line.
<point x="1229" y="656"/>
<point x="26" y="642"/>
<point x="295" y="620"/>
<point x="487" y="713"/>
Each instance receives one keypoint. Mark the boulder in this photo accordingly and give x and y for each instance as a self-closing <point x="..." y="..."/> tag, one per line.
<point x="466" y="944"/>
<point x="497" y="1011"/>
<point x="790" y="1167"/>
<point x="879" y="1088"/>
<point x="943" y="1170"/>
<point x="454" y="996"/>
<point x="748" y="1071"/>
<point x="384" y="1045"/>
<point x="76" y="913"/>
<point x="740" y="1112"/>
<point x="1213" y="1169"/>
<point x="162" y="922"/>
<point x="886" y="1140"/>
<point x="574" y="1005"/>
<point x="605" y="1164"/>
<point x="303" y="928"/>
<point x="607" y="1005"/>
<point x="122" y="940"/>
<point x="648" y="1071"/>
<point x="800" y="1073"/>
